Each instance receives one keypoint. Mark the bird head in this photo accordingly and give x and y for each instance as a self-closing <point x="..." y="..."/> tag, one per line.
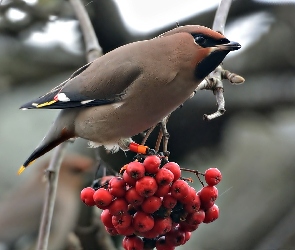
<point x="211" y="47"/>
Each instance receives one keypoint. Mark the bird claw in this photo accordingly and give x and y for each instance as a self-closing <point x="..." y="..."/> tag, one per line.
<point x="214" y="83"/>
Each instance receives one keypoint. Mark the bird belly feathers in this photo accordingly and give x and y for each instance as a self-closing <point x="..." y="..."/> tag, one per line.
<point x="107" y="124"/>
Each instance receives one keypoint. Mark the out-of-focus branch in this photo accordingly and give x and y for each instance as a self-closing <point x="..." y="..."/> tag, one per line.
<point x="92" y="47"/>
<point x="52" y="178"/>
<point x="93" y="51"/>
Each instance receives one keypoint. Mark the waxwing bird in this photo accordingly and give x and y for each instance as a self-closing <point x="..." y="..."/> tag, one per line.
<point x="131" y="88"/>
<point x="20" y="210"/>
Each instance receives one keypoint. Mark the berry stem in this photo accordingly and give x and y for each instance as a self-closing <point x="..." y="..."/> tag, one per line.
<point x="187" y="179"/>
<point x="165" y="132"/>
<point x="123" y="169"/>
<point x="196" y="172"/>
<point x="159" y="140"/>
<point x="148" y="133"/>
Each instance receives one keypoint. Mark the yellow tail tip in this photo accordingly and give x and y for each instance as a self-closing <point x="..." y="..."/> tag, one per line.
<point x="21" y="169"/>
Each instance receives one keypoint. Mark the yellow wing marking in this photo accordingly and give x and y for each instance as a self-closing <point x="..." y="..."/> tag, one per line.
<point x="45" y="104"/>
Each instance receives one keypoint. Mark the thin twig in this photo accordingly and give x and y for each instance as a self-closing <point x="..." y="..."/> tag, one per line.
<point x="165" y="132"/>
<point x="92" y="47"/>
<point x="148" y="133"/>
<point x="48" y="207"/>
<point x="159" y="140"/>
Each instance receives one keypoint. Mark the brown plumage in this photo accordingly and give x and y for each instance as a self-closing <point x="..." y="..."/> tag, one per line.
<point x="131" y="88"/>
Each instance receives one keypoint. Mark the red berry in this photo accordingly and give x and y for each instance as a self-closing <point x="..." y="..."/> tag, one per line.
<point x="162" y="244"/>
<point x="190" y="197"/>
<point x="152" y="164"/>
<point x="162" y="190"/>
<point x="121" y="221"/>
<point x="105" y="179"/>
<point x="213" y="176"/>
<point x="185" y="227"/>
<point x="151" y="204"/>
<point x="187" y="236"/>
<point x="117" y="187"/>
<point x="179" y="189"/>
<point x="133" y="197"/>
<point x="126" y="231"/>
<point x="208" y="195"/>
<point x="133" y="209"/>
<point x="129" y="180"/>
<point x="211" y="214"/>
<point x="146" y="186"/>
<point x="87" y="196"/>
<point x="133" y="243"/>
<point x="124" y="242"/>
<point x="174" y="168"/>
<point x="102" y="198"/>
<point x="118" y="206"/>
<point x="150" y="234"/>
<point x="135" y="170"/>
<point x="169" y="201"/>
<point x="112" y="231"/>
<point x="194" y="205"/>
<point x="142" y="222"/>
<point x="162" y="225"/>
<point x="164" y="176"/>
<point x="196" y="217"/>
<point x="175" y="237"/>
<point x="106" y="218"/>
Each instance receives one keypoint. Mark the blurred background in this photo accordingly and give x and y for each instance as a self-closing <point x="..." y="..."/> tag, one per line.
<point x="253" y="144"/>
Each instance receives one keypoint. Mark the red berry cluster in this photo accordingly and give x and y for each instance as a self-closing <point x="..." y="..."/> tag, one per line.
<point x="152" y="205"/>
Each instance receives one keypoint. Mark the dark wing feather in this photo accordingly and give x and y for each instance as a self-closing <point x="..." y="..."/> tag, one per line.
<point x="101" y="82"/>
<point x="47" y="98"/>
<point x="48" y="101"/>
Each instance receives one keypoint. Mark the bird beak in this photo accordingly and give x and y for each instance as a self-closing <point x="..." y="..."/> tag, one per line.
<point x="229" y="46"/>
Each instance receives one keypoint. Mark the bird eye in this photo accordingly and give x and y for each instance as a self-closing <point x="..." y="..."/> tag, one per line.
<point x="200" y="40"/>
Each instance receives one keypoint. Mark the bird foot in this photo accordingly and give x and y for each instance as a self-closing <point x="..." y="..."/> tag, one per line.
<point x="214" y="82"/>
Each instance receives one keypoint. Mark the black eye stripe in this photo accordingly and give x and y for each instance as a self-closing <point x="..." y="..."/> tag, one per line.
<point x="207" y="41"/>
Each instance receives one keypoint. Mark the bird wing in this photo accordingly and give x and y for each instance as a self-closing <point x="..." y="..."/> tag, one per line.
<point x="49" y="99"/>
<point x="100" y="82"/>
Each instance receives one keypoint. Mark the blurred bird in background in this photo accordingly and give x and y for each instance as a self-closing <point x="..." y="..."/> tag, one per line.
<point x="130" y="89"/>
<point x="20" y="211"/>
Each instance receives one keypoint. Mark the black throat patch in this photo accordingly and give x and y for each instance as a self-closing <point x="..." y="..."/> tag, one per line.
<point x="207" y="65"/>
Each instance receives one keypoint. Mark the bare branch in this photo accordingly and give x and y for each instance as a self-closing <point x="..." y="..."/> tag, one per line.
<point x="221" y="16"/>
<point x="147" y="134"/>
<point x="93" y="49"/>
<point x="165" y="132"/>
<point x="48" y="207"/>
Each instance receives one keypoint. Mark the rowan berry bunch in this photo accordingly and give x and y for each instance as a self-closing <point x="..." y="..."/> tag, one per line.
<point x="152" y="205"/>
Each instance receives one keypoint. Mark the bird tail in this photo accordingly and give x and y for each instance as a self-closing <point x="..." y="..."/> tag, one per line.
<point x="61" y="130"/>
